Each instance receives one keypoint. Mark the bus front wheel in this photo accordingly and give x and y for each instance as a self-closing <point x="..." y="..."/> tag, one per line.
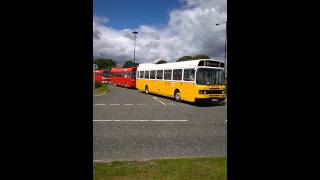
<point x="146" y="90"/>
<point x="177" y="96"/>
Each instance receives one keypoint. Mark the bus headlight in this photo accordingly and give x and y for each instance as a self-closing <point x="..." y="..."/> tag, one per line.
<point x="202" y="92"/>
<point x="222" y="92"/>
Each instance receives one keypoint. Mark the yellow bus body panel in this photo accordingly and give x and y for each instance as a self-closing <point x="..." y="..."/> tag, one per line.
<point x="189" y="90"/>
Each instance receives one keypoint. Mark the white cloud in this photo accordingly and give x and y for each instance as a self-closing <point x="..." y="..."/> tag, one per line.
<point x="191" y="30"/>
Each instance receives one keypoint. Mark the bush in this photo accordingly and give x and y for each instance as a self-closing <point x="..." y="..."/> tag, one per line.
<point x="98" y="84"/>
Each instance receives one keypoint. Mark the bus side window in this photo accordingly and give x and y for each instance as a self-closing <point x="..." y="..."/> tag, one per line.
<point x="159" y="74"/>
<point x="152" y="74"/>
<point x="188" y="74"/>
<point x="146" y="75"/>
<point x="167" y="74"/>
<point x="141" y="74"/>
<point x="177" y="74"/>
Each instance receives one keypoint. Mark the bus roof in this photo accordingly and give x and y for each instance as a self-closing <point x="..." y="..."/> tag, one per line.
<point x="123" y="69"/>
<point x="176" y="65"/>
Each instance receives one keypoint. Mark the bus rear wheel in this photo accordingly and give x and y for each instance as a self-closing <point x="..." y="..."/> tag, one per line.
<point x="177" y="95"/>
<point x="146" y="90"/>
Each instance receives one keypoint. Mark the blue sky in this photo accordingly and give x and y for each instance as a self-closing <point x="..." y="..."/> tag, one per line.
<point x="168" y="29"/>
<point x="132" y="13"/>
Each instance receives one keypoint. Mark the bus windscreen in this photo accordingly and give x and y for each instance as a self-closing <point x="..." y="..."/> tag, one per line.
<point x="206" y="76"/>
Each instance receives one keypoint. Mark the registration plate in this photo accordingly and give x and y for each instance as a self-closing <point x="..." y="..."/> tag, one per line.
<point x="214" y="99"/>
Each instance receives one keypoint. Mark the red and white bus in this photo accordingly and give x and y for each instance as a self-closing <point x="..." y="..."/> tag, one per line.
<point x="125" y="77"/>
<point x="102" y="76"/>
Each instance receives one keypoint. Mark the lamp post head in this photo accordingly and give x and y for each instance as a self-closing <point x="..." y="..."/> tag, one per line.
<point x="135" y="32"/>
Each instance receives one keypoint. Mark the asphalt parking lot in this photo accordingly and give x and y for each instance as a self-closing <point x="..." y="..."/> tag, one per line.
<point x="130" y="125"/>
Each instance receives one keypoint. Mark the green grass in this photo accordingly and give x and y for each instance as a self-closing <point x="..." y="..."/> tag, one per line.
<point x="100" y="90"/>
<point x="165" y="169"/>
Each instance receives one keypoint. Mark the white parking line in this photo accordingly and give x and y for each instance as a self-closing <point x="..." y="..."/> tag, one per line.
<point x="99" y="104"/>
<point x="159" y="101"/>
<point x="162" y="120"/>
<point x="114" y="104"/>
<point x="142" y="104"/>
<point x="128" y="104"/>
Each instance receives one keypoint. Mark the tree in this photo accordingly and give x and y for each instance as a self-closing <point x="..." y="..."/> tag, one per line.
<point x="201" y="56"/>
<point x="161" y="62"/>
<point x="130" y="64"/>
<point x="105" y="63"/>
<point x="185" y="58"/>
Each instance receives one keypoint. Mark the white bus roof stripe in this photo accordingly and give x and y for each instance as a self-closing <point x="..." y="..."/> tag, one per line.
<point x="174" y="65"/>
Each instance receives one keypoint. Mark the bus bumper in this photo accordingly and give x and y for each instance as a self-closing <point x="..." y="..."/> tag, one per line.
<point x="209" y="98"/>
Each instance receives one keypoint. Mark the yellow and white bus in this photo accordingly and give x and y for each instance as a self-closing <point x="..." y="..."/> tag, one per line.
<point x="193" y="81"/>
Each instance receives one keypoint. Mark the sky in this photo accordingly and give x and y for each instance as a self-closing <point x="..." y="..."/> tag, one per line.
<point x="167" y="29"/>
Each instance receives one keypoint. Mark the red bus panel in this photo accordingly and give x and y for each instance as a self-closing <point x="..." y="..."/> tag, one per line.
<point x="125" y="77"/>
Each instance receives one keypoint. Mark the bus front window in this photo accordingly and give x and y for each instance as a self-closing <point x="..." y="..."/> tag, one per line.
<point x="206" y="76"/>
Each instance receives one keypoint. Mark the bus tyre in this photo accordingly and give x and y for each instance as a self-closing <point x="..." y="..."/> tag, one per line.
<point x="146" y="90"/>
<point x="177" y="96"/>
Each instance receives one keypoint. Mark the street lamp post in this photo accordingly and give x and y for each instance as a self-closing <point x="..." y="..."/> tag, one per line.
<point x="134" y="45"/>
<point x="225" y="45"/>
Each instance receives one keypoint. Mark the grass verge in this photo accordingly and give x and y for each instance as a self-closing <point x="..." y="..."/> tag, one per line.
<point x="100" y="90"/>
<point x="189" y="168"/>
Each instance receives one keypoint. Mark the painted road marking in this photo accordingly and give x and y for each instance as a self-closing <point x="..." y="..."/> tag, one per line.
<point x="162" y="120"/>
<point x="172" y="104"/>
<point x="159" y="101"/>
